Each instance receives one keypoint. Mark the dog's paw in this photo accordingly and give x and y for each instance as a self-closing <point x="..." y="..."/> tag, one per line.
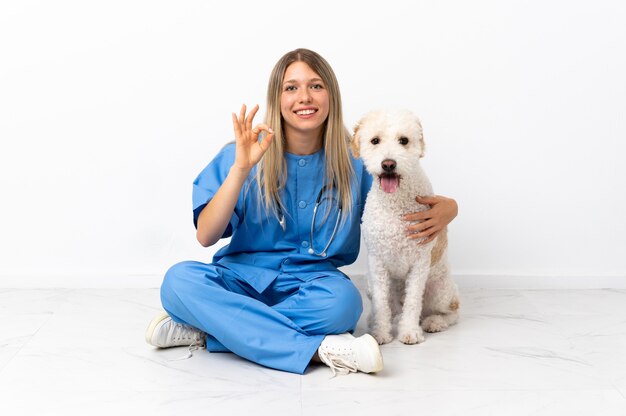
<point x="411" y="337"/>
<point x="434" y="323"/>
<point x="382" y="337"/>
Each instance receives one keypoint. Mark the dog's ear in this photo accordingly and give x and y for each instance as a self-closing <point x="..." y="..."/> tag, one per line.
<point x="355" y="142"/>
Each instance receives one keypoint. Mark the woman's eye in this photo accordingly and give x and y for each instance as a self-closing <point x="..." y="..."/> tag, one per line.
<point x="403" y="141"/>
<point x="375" y="140"/>
<point x="290" y="88"/>
<point x="317" y="86"/>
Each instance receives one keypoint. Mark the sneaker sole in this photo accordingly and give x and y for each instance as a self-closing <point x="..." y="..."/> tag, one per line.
<point x="372" y="356"/>
<point x="153" y="324"/>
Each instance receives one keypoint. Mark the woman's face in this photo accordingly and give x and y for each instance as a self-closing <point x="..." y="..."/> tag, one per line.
<point x="304" y="102"/>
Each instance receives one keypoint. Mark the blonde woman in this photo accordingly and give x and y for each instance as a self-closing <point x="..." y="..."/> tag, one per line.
<point x="290" y="196"/>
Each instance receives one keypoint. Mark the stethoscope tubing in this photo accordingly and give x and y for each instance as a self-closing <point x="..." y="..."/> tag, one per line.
<point x="332" y="236"/>
<point x="283" y="224"/>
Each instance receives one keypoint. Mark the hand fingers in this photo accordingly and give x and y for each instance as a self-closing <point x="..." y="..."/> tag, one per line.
<point x="429" y="239"/>
<point x="250" y="116"/>
<point x="421" y="226"/>
<point x="424" y="233"/>
<point x="427" y="200"/>
<point x="259" y="128"/>
<point x="236" y="126"/>
<point x="418" y="216"/>
<point x="263" y="126"/>
<point x="267" y="140"/>
<point x="242" y="114"/>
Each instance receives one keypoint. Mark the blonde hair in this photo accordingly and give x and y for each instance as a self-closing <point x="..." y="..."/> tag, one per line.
<point x="272" y="169"/>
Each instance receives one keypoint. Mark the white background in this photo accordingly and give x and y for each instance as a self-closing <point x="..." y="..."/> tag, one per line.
<point x="108" y="110"/>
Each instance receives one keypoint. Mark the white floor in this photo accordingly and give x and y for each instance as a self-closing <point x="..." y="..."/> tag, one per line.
<point x="515" y="352"/>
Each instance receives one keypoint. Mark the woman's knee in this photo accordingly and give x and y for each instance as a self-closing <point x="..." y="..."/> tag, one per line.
<point x="174" y="283"/>
<point x="173" y="276"/>
<point x="340" y="305"/>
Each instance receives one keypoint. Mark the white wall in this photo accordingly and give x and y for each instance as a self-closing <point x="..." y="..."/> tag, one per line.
<point x="108" y="110"/>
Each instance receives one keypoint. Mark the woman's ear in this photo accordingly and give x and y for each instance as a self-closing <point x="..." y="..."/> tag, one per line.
<point x="355" y="142"/>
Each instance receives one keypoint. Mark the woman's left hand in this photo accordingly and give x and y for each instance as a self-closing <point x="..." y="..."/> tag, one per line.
<point x="442" y="211"/>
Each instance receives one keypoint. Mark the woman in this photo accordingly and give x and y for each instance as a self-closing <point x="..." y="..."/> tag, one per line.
<point x="292" y="203"/>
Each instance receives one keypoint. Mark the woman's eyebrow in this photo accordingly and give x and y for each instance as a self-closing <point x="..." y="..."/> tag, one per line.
<point x="294" y="81"/>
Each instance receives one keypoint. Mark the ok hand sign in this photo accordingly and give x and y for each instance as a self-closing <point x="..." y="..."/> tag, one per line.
<point x="249" y="148"/>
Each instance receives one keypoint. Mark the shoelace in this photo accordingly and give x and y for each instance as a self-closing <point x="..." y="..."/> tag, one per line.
<point x="336" y="362"/>
<point x="184" y="332"/>
<point x="193" y="347"/>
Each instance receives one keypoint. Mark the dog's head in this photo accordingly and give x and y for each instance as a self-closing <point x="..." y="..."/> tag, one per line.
<point x="390" y="144"/>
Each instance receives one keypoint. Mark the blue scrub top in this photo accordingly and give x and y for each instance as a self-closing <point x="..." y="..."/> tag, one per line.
<point x="259" y="249"/>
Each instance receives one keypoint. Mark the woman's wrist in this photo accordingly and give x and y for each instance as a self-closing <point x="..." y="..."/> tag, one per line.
<point x="239" y="174"/>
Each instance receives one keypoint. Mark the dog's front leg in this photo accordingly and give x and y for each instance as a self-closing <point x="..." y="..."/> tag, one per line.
<point x="409" y="329"/>
<point x="380" y="319"/>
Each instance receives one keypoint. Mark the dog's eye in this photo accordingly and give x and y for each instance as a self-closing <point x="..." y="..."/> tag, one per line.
<point x="403" y="141"/>
<point x="375" y="140"/>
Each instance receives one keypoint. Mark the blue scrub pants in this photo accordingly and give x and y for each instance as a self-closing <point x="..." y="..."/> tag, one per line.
<point x="280" y="328"/>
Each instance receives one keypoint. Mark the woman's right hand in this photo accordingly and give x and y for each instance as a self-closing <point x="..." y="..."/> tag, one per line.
<point x="249" y="148"/>
<point x="215" y="217"/>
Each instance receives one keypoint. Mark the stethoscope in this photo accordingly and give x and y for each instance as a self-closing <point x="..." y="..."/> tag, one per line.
<point x="283" y="223"/>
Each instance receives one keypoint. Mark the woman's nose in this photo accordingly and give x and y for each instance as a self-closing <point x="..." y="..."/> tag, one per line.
<point x="305" y="95"/>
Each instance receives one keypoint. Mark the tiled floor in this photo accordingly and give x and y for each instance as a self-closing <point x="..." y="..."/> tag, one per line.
<point x="515" y="352"/>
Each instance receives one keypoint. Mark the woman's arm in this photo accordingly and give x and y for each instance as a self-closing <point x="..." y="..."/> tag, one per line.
<point x="442" y="211"/>
<point x="214" y="218"/>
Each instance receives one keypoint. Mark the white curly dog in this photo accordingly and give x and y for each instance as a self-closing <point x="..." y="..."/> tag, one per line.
<point x="406" y="279"/>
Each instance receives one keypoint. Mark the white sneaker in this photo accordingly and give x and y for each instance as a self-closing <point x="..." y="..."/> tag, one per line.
<point x="345" y="353"/>
<point x="163" y="332"/>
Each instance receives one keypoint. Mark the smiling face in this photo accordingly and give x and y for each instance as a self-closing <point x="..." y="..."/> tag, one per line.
<point x="390" y="145"/>
<point x="304" y="102"/>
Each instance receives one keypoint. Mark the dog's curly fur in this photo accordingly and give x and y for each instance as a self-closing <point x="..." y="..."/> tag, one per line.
<point x="406" y="279"/>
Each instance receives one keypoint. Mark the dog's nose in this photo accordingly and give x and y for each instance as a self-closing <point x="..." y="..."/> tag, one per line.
<point x="388" y="165"/>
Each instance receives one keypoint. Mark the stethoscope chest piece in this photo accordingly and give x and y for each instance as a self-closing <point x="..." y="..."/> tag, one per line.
<point x="322" y="254"/>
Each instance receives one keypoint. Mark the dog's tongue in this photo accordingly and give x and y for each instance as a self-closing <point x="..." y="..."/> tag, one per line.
<point x="389" y="183"/>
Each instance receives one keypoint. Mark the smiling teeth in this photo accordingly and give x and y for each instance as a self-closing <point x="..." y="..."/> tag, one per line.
<point x="305" y="112"/>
